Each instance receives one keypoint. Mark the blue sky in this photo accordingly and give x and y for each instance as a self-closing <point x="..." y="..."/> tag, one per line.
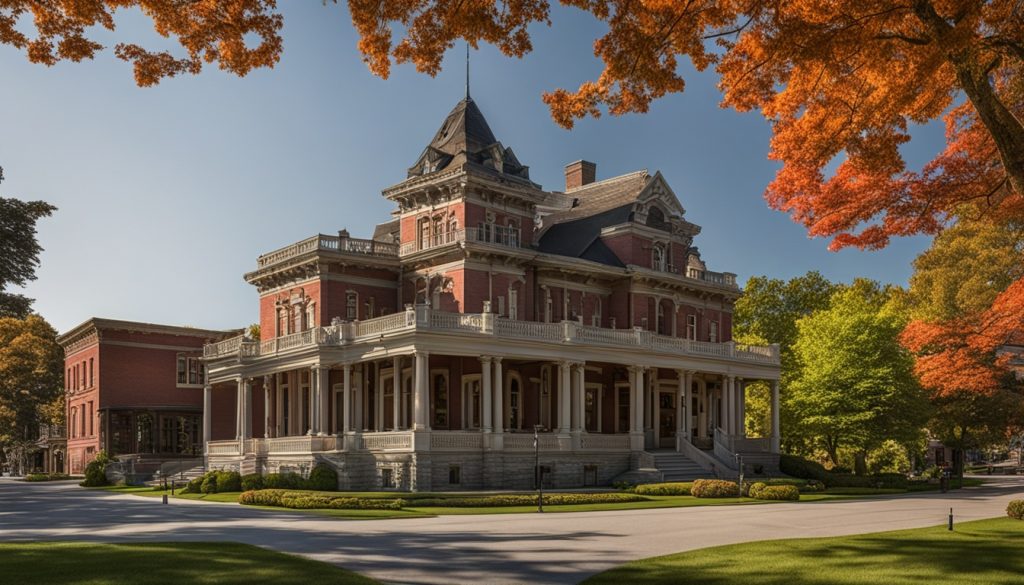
<point x="167" y="195"/>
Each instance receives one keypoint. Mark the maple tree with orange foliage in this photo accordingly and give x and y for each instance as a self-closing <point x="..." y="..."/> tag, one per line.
<point x="840" y="81"/>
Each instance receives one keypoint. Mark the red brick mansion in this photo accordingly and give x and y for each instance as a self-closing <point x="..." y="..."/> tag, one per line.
<point x="424" y="358"/>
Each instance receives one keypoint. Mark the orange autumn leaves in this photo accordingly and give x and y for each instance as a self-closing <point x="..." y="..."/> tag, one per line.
<point x="237" y="35"/>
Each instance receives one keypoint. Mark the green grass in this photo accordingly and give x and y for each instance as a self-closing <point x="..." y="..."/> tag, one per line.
<point x="412" y="510"/>
<point x="177" y="563"/>
<point x="985" y="552"/>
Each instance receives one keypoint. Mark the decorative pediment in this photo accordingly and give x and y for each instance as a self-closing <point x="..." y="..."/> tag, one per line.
<point x="658" y="207"/>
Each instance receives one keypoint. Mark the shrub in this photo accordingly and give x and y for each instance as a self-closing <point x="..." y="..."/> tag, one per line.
<point x="762" y="491"/>
<point x="228" y="481"/>
<point x="715" y="488"/>
<point x="501" y="500"/>
<point x="209" y="485"/>
<point x="802" y="468"/>
<point x="664" y="489"/>
<point x="46" y="477"/>
<point x="252" y="481"/>
<point x="308" y="501"/>
<point x="323" y="478"/>
<point x="283" y="481"/>
<point x="1015" y="509"/>
<point x="800" y="484"/>
<point x="195" y="485"/>
<point x="96" y="470"/>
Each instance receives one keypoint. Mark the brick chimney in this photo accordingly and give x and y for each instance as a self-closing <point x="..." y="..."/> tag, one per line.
<point x="579" y="173"/>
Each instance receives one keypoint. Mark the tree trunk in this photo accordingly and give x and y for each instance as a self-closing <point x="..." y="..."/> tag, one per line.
<point x="860" y="463"/>
<point x="1006" y="130"/>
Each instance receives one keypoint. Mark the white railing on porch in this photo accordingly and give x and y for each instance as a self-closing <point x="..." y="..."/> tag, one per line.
<point x="456" y="440"/>
<point x="524" y="442"/>
<point x="602" y="442"/>
<point x="340" y="243"/>
<point x="424" y="318"/>
<point x="388" y="441"/>
<point x="223" y="447"/>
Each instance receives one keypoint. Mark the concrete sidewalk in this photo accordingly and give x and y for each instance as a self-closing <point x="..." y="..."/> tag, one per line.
<point x="557" y="548"/>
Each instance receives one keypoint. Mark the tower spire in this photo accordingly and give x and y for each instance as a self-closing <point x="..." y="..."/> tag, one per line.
<point x="467" y="70"/>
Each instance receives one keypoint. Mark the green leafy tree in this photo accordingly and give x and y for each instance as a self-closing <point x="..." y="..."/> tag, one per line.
<point x="19" y="250"/>
<point x="854" y="386"/>
<point x="767" y="313"/>
<point x="31" y="369"/>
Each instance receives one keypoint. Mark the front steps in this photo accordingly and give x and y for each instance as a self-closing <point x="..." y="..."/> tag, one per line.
<point x="675" y="466"/>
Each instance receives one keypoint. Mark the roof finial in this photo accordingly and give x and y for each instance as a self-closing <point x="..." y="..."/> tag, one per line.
<point x="467" y="70"/>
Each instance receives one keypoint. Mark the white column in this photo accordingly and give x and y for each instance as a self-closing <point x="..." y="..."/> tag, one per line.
<point x="278" y="408"/>
<point x="312" y="407"/>
<point x="578" y="393"/>
<point x="421" y="399"/>
<point x="266" y="407"/>
<point x="396" y="391"/>
<point x="378" y="399"/>
<point x="358" y="417"/>
<point x="499" y="397"/>
<point x="728" y="398"/>
<point x="324" y="393"/>
<point x="564" y="407"/>
<point x="741" y="410"/>
<point x="346" y="399"/>
<point x="486" y="392"/>
<point x="247" y="408"/>
<point x="680" y="406"/>
<point x="239" y="408"/>
<point x="688" y="405"/>
<point x="207" y="416"/>
<point x="776" y="435"/>
<point x="637" y="427"/>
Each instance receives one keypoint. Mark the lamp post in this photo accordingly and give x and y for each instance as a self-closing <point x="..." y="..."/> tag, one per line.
<point x="540" y="470"/>
<point x="739" y="465"/>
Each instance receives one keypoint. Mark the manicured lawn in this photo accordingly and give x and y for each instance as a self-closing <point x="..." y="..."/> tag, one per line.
<point x="412" y="510"/>
<point x="171" y="563"/>
<point x="985" y="552"/>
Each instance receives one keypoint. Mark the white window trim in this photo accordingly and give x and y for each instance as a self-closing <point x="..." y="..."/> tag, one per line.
<point x="467" y="380"/>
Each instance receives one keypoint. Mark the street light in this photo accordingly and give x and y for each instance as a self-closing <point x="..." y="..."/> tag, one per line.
<point x="540" y="471"/>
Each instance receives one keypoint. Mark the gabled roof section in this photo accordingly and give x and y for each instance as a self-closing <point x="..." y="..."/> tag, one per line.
<point x="387" y="231"/>
<point x="465" y="140"/>
<point x="601" y="196"/>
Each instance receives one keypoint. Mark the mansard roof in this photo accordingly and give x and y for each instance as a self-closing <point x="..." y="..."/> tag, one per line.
<point x="601" y="196"/>
<point x="387" y="231"/>
<point x="465" y="141"/>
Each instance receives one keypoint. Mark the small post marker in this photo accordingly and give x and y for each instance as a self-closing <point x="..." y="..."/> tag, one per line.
<point x="165" y="498"/>
<point x="951" y="519"/>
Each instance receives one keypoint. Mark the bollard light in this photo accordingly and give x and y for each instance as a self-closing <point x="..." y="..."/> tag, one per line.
<point x="165" y="498"/>
<point x="951" y="519"/>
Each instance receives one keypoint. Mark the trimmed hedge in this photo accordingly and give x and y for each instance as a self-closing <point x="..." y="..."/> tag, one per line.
<point x="802" y="485"/>
<point x="715" y="488"/>
<point x="46" y="477"/>
<point x="498" y="501"/>
<point x="668" y="488"/>
<point x="283" y="481"/>
<point x="252" y="481"/>
<point x="762" y="491"/>
<point x="1015" y="509"/>
<point x="323" y="478"/>
<point x="308" y="501"/>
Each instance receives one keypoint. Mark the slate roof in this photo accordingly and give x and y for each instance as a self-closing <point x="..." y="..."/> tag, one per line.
<point x="602" y="196"/>
<point x="465" y="140"/>
<point x="386" y="232"/>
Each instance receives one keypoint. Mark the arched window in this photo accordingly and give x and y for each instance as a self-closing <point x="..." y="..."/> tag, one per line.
<point x="74" y="421"/>
<point x="658" y="257"/>
<point x="656" y="218"/>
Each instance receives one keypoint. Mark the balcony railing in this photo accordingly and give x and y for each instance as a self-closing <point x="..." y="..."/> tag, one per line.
<point x="423" y="318"/>
<point x="330" y="243"/>
<point x="487" y="234"/>
<point x="722" y="278"/>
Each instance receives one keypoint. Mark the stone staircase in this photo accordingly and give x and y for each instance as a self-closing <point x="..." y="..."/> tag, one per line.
<point x="675" y="466"/>
<point x="179" y="477"/>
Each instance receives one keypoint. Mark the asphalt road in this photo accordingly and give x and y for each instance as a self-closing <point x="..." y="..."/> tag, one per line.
<point x="551" y="548"/>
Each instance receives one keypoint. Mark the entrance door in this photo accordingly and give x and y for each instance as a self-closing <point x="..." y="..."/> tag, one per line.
<point x="667" y="420"/>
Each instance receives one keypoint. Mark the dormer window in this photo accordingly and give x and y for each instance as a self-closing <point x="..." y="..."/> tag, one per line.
<point x="656" y="219"/>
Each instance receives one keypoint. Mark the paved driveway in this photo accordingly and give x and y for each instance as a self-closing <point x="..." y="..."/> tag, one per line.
<point x="505" y="548"/>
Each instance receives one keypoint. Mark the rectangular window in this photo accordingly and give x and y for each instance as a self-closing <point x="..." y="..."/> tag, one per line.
<point x="513" y="304"/>
<point x="351" y="306"/>
<point x="713" y="331"/>
<point x="622" y="405"/>
<point x="501" y="306"/>
<point x="454" y="474"/>
<point x="191" y="371"/>
<point x="387" y="477"/>
<point x="83" y="374"/>
<point x="67" y="380"/>
<point x="691" y="327"/>
<point x="91" y="379"/>
<point x="92" y="430"/>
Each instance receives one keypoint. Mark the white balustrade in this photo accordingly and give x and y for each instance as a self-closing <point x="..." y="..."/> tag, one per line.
<point x="395" y="441"/>
<point x="382" y="325"/>
<point x="330" y="243"/>
<point x="602" y="442"/>
<point x="528" y="330"/>
<point x="524" y="442"/>
<point x="222" y="447"/>
<point x="456" y="440"/>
